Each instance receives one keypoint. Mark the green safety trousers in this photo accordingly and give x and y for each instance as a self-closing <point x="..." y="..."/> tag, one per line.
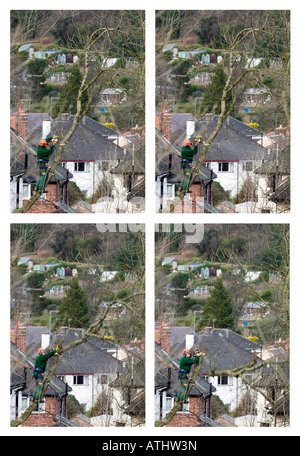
<point x="186" y="165"/>
<point x="184" y="381"/>
<point x="43" y="165"/>
<point x="39" y="383"/>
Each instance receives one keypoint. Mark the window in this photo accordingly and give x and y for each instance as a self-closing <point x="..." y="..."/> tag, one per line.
<point x="226" y="167"/>
<point x="40" y="408"/>
<point x="225" y="380"/>
<point x="170" y="191"/>
<point x="170" y="405"/>
<point x="80" y="380"/>
<point x="81" y="167"/>
<point x="26" y="191"/>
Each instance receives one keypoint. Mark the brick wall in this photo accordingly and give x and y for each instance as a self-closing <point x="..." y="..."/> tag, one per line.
<point x="46" y="206"/>
<point x="19" y="123"/>
<point x="22" y="125"/>
<point x="163" y="124"/>
<point x="190" y="206"/>
<point x="18" y="337"/>
<point x="196" y="408"/>
<point x="162" y="337"/>
<point x="44" y="419"/>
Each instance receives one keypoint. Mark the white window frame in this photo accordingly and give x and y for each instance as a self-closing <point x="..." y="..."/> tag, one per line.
<point x="86" y="166"/>
<point x="229" y="380"/>
<point x="230" y="167"/>
<point x="26" y="403"/>
<point x="170" y="401"/>
<point x="170" y="191"/>
<point x="28" y="187"/>
<point x="85" y="380"/>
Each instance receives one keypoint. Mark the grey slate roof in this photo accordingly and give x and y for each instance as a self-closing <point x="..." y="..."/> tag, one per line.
<point x="175" y="174"/>
<point x="88" y="358"/>
<point x="232" y="143"/>
<point x="166" y="375"/>
<point x="24" y="379"/>
<point x="31" y="173"/>
<point x="224" y="350"/>
<point x="88" y="143"/>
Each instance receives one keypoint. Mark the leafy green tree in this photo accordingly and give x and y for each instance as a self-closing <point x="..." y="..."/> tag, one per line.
<point x="35" y="282"/>
<point x="74" y="307"/>
<point x="69" y="93"/>
<point x="36" y="69"/>
<point x="209" y="31"/>
<point x="63" y="244"/>
<point x="214" y="92"/>
<point x="179" y="284"/>
<point x="219" y="307"/>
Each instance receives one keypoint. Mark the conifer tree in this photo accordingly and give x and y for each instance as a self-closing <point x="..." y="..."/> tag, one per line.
<point x="74" y="306"/>
<point x="219" y="307"/>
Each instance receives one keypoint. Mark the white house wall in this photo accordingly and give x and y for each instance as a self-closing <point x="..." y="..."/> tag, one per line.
<point x="228" y="180"/>
<point x="83" y="179"/>
<point x="13" y="194"/>
<point x="89" y="393"/>
<point x="229" y="394"/>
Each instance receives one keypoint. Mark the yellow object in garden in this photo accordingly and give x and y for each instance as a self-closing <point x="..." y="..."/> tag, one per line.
<point x="253" y="339"/>
<point x="253" y="125"/>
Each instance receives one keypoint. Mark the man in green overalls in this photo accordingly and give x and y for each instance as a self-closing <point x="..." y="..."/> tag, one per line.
<point x="187" y="155"/>
<point x="185" y="365"/>
<point x="44" y="150"/>
<point x="39" y="370"/>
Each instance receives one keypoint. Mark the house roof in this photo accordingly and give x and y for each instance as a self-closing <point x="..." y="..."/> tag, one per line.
<point x="25" y="47"/>
<point x="224" y="349"/>
<point x="23" y="378"/>
<point x="24" y="260"/>
<point x="255" y="305"/>
<point x="169" y="47"/>
<point x="88" y="358"/>
<point x="166" y="375"/>
<point x="33" y="333"/>
<point x="29" y="170"/>
<point x="88" y="142"/>
<point x="232" y="143"/>
<point x="126" y="167"/>
<point x="168" y="162"/>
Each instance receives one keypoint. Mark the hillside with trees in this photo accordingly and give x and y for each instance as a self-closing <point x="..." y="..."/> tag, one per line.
<point x="104" y="50"/>
<point x="265" y="57"/>
<point x="253" y="265"/>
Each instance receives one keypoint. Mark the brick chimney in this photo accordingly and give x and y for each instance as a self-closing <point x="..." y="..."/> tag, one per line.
<point x="165" y="333"/>
<point x="18" y="336"/>
<point x="22" y="125"/>
<point x="166" y="121"/>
